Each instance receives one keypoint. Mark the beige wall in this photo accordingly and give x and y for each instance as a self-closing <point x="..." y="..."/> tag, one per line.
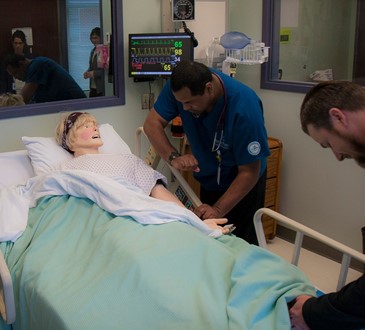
<point x="316" y="189"/>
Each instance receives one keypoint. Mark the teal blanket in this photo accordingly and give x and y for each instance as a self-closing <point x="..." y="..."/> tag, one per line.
<point x="79" y="267"/>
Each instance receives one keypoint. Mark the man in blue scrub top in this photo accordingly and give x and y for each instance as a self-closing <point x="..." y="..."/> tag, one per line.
<point x="45" y="80"/>
<point x="224" y="123"/>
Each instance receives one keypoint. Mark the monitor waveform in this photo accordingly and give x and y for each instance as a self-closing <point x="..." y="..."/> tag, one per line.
<point x="155" y="51"/>
<point x="151" y="42"/>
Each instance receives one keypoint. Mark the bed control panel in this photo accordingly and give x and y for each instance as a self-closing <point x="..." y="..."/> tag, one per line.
<point x="152" y="158"/>
<point x="183" y="197"/>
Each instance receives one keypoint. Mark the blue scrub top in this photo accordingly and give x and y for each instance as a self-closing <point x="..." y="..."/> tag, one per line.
<point x="54" y="82"/>
<point x="242" y="141"/>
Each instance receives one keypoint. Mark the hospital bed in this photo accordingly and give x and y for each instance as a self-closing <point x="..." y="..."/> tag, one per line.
<point x="76" y="265"/>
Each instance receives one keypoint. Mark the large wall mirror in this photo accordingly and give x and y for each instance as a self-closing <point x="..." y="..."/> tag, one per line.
<point x="312" y="41"/>
<point x="60" y="30"/>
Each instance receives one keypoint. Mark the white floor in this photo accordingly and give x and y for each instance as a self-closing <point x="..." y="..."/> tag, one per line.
<point x="322" y="272"/>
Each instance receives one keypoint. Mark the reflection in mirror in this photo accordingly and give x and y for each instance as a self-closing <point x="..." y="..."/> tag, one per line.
<point x="311" y="41"/>
<point x="64" y="35"/>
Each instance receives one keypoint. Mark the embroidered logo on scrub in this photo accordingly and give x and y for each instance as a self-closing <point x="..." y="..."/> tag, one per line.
<point x="254" y="148"/>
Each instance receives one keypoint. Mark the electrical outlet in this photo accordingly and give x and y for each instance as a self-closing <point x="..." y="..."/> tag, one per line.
<point x="147" y="101"/>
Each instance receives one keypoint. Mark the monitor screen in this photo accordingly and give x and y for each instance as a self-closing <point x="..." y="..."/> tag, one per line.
<point x="153" y="55"/>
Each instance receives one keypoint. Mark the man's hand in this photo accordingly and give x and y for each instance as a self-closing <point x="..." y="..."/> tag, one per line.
<point x="88" y="74"/>
<point x="186" y="163"/>
<point x="296" y="314"/>
<point x="205" y="211"/>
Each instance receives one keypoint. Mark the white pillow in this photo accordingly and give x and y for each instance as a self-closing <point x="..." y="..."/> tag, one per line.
<point x="46" y="155"/>
<point x="15" y="168"/>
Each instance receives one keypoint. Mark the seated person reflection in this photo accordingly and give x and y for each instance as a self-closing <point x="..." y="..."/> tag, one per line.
<point x="78" y="133"/>
<point x="45" y="80"/>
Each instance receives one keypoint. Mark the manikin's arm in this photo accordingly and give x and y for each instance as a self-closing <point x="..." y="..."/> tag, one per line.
<point x="160" y="192"/>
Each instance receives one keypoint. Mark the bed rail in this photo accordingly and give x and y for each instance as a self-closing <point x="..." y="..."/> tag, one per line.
<point x="179" y="187"/>
<point x="301" y="231"/>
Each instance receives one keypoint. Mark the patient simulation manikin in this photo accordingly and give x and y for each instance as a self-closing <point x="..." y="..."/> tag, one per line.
<point x="78" y="133"/>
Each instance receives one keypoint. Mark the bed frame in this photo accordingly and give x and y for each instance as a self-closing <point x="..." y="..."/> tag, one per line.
<point x="300" y="232"/>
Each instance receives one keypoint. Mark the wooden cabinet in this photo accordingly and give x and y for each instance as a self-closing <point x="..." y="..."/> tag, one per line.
<point x="272" y="185"/>
<point x="272" y="182"/>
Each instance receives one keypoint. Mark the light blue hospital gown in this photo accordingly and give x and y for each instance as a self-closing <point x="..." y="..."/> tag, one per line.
<point x="126" y="166"/>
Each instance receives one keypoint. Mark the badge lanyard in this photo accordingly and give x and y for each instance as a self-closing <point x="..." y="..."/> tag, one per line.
<point x="220" y="128"/>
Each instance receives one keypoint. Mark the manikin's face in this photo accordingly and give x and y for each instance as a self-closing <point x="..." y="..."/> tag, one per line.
<point x="343" y="145"/>
<point x="87" y="139"/>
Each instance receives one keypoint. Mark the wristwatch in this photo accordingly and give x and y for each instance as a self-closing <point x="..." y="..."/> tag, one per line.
<point x="174" y="154"/>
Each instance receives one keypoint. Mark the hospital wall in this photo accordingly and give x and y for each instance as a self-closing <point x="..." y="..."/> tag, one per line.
<point x="316" y="189"/>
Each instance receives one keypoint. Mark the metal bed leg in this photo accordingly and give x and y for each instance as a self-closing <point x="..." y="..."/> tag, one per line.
<point x="345" y="264"/>
<point x="297" y="247"/>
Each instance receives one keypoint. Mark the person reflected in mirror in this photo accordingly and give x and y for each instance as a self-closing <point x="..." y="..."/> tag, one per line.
<point x="94" y="73"/>
<point x="45" y="80"/>
<point x="333" y="115"/>
<point x="9" y="100"/>
<point x="18" y="45"/>
<point x="78" y="133"/>
<point x="224" y="124"/>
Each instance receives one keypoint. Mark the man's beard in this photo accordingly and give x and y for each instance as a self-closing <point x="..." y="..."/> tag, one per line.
<point x="360" y="159"/>
<point x="357" y="146"/>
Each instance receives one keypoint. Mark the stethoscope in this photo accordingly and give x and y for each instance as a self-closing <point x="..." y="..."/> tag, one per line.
<point x="221" y="120"/>
<point x="220" y="128"/>
<point x="219" y="131"/>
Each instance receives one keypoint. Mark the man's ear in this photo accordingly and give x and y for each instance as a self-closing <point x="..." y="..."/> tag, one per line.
<point x="209" y="87"/>
<point x="338" y="117"/>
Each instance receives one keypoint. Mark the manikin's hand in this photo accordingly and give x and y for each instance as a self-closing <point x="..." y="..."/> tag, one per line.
<point x="217" y="224"/>
<point x="296" y="314"/>
<point x="186" y="163"/>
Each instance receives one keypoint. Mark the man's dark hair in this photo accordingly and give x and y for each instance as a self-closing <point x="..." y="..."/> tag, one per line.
<point x="95" y="31"/>
<point x="343" y="95"/>
<point x="193" y="75"/>
<point x="19" y="34"/>
<point x="13" y="60"/>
